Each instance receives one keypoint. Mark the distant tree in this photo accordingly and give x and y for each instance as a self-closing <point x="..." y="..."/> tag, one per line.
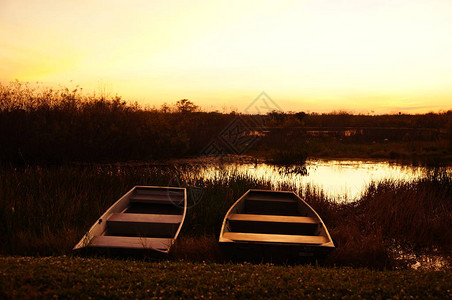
<point x="277" y="115"/>
<point x="164" y="108"/>
<point x="300" y="115"/>
<point x="186" y="106"/>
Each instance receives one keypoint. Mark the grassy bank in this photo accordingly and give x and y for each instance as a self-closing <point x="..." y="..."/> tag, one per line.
<point x="45" y="211"/>
<point x="66" y="277"/>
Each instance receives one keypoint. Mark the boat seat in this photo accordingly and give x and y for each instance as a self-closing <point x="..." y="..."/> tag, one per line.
<point x="271" y="206"/>
<point x="269" y="198"/>
<point x="275" y="238"/>
<point x="272" y="218"/>
<point x="144" y="225"/>
<point x="161" y="244"/>
<point x="161" y="192"/>
<point x="155" y="198"/>
<point x="145" y="218"/>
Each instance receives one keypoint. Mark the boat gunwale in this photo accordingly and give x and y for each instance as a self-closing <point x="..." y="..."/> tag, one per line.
<point x="223" y="225"/>
<point x="330" y="242"/>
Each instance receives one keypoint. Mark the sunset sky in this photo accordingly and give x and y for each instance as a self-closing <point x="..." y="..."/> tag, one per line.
<point x="323" y="55"/>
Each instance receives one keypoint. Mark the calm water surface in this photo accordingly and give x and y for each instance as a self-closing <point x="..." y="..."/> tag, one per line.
<point x="340" y="180"/>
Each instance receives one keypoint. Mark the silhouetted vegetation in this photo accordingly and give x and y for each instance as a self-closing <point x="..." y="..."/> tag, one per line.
<point x="58" y="126"/>
<point x="341" y="119"/>
<point x="45" y="210"/>
<point x="392" y="216"/>
<point x="423" y="138"/>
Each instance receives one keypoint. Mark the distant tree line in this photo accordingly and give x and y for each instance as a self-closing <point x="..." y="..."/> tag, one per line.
<point x="54" y="126"/>
<point x="344" y="119"/>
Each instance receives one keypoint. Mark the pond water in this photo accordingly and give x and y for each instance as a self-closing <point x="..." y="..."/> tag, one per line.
<point x="342" y="180"/>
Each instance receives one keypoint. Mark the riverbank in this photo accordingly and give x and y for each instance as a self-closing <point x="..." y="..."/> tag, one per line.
<point x="45" y="211"/>
<point x="72" y="277"/>
<point x="418" y="153"/>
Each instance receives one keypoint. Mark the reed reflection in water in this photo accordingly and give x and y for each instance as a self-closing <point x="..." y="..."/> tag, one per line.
<point x="344" y="181"/>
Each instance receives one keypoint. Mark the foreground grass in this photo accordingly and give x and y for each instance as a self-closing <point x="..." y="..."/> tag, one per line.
<point x="68" y="277"/>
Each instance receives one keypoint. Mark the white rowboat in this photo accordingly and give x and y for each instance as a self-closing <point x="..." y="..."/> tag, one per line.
<point x="147" y="219"/>
<point x="277" y="221"/>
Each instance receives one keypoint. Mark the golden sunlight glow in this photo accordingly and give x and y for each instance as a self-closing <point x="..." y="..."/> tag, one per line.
<point x="323" y="55"/>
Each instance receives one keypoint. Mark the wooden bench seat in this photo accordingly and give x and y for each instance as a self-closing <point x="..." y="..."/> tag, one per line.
<point x="143" y="225"/>
<point x="271" y="206"/>
<point x="275" y="238"/>
<point x="161" y="244"/>
<point x="145" y="218"/>
<point x="272" y="218"/>
<point x="161" y="192"/>
<point x="269" y="198"/>
<point x="151" y="198"/>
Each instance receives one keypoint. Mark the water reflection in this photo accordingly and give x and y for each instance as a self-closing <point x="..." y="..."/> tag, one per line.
<point x="434" y="260"/>
<point x="287" y="170"/>
<point x="340" y="180"/>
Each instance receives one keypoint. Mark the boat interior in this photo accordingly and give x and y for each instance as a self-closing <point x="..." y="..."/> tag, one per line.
<point x="145" y="218"/>
<point x="266" y="216"/>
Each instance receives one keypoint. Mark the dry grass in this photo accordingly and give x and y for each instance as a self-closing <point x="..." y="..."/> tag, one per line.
<point x="414" y="217"/>
<point x="418" y="215"/>
<point x="197" y="248"/>
<point x="45" y="211"/>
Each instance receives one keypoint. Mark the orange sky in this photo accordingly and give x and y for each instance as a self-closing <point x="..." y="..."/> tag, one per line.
<point x="323" y="55"/>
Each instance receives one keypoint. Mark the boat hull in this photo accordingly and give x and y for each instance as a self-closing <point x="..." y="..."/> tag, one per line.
<point x="145" y="221"/>
<point x="274" y="253"/>
<point x="274" y="226"/>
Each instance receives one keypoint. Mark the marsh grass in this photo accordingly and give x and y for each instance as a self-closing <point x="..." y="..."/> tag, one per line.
<point x="45" y="211"/>
<point x="413" y="217"/>
<point x="197" y="248"/>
